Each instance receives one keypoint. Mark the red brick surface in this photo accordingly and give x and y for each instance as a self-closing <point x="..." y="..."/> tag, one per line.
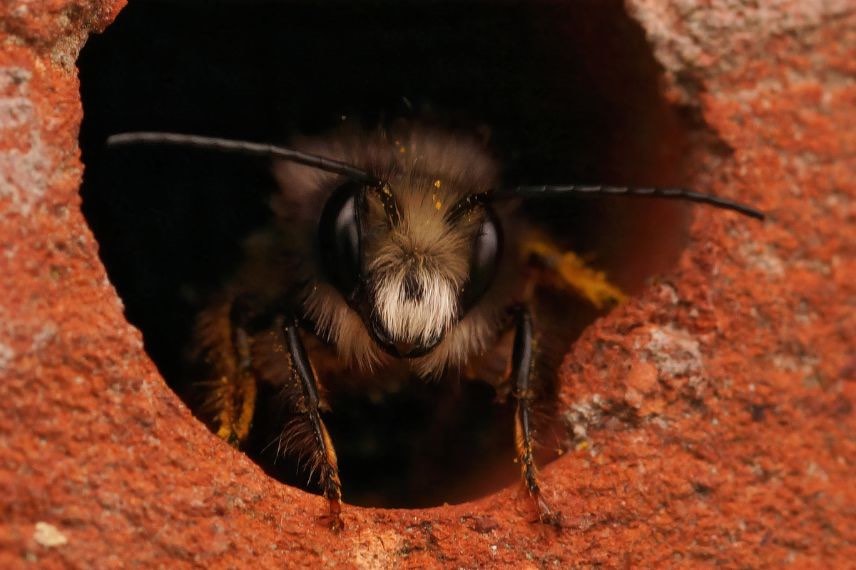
<point x="713" y="415"/>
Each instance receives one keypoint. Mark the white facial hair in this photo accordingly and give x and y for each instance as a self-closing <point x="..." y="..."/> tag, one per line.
<point x="419" y="320"/>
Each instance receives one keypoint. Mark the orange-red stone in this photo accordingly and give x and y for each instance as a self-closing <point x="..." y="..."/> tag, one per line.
<point x="718" y="406"/>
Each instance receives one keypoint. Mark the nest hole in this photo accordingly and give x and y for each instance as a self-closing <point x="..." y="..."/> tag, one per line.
<point x="569" y="93"/>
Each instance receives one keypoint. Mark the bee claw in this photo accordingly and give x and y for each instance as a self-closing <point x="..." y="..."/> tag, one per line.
<point x="546" y="515"/>
<point x="229" y="435"/>
<point x="334" y="517"/>
<point x="554" y="520"/>
<point x="336" y="523"/>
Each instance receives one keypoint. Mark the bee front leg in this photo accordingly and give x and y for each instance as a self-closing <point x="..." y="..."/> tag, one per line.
<point x="322" y="454"/>
<point x="231" y="397"/>
<point x="237" y="417"/>
<point x="523" y="376"/>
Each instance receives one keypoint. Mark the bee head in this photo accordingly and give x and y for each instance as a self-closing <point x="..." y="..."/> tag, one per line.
<point x="409" y="256"/>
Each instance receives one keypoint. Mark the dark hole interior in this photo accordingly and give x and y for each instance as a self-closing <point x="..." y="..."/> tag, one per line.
<point x="569" y="93"/>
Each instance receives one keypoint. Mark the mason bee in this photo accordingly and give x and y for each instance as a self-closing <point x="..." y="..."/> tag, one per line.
<point x="392" y="254"/>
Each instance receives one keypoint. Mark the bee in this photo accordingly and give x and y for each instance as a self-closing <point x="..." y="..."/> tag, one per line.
<point x="391" y="254"/>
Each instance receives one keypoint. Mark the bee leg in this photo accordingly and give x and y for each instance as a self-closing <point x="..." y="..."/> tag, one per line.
<point x="232" y="399"/>
<point x="244" y="398"/>
<point x="567" y="270"/>
<point x="323" y="454"/>
<point x="522" y="375"/>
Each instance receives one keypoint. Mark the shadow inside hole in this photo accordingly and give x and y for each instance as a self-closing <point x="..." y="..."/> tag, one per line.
<point x="569" y="94"/>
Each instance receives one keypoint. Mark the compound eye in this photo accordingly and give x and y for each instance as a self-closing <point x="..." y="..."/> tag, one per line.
<point x="339" y="238"/>
<point x="487" y="250"/>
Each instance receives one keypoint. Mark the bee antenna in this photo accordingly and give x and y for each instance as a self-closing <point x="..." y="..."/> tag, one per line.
<point x="243" y="147"/>
<point x="664" y="193"/>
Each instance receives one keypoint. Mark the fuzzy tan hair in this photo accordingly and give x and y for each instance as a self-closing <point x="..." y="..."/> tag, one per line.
<point x="429" y="172"/>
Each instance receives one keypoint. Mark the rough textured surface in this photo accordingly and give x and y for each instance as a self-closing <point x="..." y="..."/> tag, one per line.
<point x="712" y="416"/>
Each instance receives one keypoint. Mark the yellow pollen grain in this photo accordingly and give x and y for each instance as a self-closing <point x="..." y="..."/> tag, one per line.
<point x="438" y="183"/>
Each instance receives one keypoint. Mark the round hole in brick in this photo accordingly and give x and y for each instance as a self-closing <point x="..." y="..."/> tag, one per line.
<point x="569" y="94"/>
